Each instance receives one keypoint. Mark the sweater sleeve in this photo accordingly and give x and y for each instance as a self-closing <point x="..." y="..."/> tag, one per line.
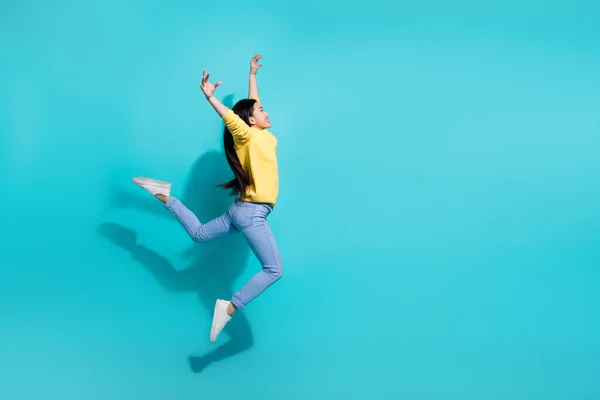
<point x="238" y="128"/>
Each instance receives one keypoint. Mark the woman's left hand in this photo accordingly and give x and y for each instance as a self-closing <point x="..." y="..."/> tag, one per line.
<point x="254" y="65"/>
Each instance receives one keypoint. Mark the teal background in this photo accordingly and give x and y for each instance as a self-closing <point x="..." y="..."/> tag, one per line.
<point x="438" y="220"/>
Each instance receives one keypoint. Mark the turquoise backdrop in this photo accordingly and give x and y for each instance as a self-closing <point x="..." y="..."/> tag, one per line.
<point x="439" y="216"/>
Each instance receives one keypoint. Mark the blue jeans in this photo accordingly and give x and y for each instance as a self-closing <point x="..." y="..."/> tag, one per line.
<point x="249" y="219"/>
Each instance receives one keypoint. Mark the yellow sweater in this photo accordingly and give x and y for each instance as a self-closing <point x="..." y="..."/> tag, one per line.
<point x="256" y="149"/>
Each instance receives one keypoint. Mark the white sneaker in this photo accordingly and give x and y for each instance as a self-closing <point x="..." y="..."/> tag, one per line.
<point x="220" y="319"/>
<point x="154" y="186"/>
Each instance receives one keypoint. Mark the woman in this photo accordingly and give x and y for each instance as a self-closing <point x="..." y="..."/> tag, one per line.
<point x="250" y="150"/>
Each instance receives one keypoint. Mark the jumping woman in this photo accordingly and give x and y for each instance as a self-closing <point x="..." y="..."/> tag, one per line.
<point x="250" y="150"/>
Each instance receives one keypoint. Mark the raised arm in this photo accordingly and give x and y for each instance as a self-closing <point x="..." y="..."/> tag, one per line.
<point x="252" y="86"/>
<point x="209" y="89"/>
<point x="238" y="128"/>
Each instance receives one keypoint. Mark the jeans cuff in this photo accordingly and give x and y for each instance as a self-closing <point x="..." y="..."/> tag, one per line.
<point x="236" y="302"/>
<point x="170" y="202"/>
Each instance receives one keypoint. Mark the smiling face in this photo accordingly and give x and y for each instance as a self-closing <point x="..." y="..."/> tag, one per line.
<point x="259" y="118"/>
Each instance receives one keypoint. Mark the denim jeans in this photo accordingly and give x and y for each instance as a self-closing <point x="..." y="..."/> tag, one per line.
<point x="249" y="219"/>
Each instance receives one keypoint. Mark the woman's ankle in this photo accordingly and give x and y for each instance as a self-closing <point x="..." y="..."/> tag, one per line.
<point x="162" y="198"/>
<point x="231" y="308"/>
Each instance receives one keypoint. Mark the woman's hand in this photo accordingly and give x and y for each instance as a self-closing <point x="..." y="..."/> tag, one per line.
<point x="208" y="88"/>
<point x="254" y="65"/>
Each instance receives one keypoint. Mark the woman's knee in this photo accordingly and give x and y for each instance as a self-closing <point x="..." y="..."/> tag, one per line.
<point x="274" y="271"/>
<point x="199" y="235"/>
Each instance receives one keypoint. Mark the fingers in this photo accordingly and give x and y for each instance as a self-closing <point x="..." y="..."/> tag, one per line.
<point x="205" y="85"/>
<point x="205" y="76"/>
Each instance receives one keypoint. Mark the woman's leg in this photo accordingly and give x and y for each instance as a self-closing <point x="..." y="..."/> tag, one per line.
<point x="218" y="227"/>
<point x="259" y="236"/>
<point x="199" y="232"/>
<point x="262" y="243"/>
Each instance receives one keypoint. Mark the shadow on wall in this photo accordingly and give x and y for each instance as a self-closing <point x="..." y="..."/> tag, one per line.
<point x="212" y="267"/>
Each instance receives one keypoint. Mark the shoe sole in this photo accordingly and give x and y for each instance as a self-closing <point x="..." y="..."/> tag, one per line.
<point x="212" y="327"/>
<point x="149" y="181"/>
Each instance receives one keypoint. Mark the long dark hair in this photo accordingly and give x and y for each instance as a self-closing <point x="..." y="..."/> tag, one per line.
<point x="242" y="179"/>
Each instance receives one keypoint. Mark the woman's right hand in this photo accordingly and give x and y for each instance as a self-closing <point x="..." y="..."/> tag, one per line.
<point x="208" y="88"/>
